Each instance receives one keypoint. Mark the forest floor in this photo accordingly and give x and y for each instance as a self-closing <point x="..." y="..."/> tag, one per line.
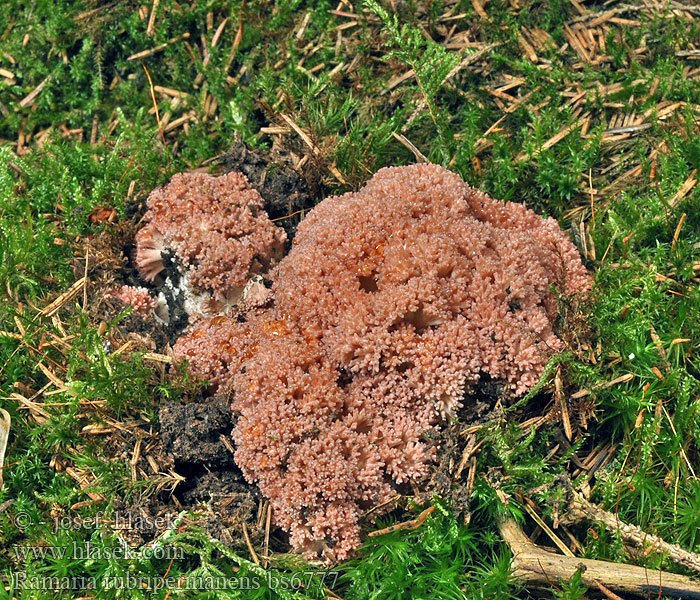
<point x="585" y="111"/>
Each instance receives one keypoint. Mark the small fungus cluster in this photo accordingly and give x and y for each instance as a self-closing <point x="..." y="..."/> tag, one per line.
<point x="391" y="305"/>
<point x="139" y="298"/>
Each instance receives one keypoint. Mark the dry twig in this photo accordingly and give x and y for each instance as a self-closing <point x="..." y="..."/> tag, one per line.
<point x="581" y="509"/>
<point x="537" y="568"/>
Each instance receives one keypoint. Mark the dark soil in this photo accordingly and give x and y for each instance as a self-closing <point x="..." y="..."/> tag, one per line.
<point x="191" y="433"/>
<point x="285" y="192"/>
<point x="194" y="442"/>
<point x="197" y="435"/>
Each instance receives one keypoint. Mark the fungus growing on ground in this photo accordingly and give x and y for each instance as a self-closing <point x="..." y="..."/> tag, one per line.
<point x="213" y="349"/>
<point x="138" y="297"/>
<point x="216" y="233"/>
<point x="391" y="305"/>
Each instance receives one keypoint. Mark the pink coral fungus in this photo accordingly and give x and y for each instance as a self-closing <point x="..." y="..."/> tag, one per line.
<point x="212" y="348"/>
<point x="217" y="232"/>
<point x="138" y="297"/>
<point x="392" y="304"/>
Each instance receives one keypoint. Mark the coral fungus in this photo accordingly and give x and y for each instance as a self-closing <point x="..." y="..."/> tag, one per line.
<point x="392" y="304"/>
<point x="138" y="297"/>
<point x="217" y="233"/>
<point x="212" y="348"/>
